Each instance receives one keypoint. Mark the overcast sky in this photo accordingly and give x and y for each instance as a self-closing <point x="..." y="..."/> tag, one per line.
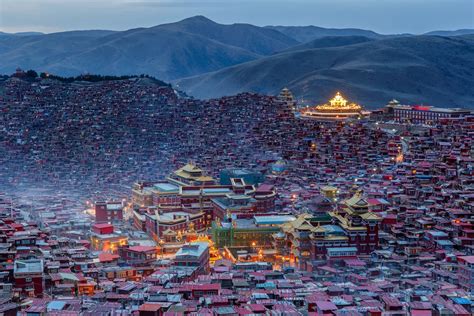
<point x="383" y="16"/>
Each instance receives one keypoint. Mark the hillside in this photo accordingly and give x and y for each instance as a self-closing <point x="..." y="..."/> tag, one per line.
<point x="417" y="69"/>
<point x="169" y="51"/>
<point x="308" y="33"/>
<point x="452" y="33"/>
<point x="330" y="41"/>
<point x="255" y="39"/>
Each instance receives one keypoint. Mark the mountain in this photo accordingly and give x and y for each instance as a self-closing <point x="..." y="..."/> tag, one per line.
<point x="21" y="34"/>
<point x="330" y="41"/>
<point x="255" y="39"/>
<point x="206" y="58"/>
<point x="417" y="69"/>
<point x="452" y="33"/>
<point x="161" y="53"/>
<point x="308" y="33"/>
<point x="168" y="51"/>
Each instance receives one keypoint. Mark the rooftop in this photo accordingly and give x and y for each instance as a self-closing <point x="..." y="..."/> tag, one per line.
<point x="273" y="219"/>
<point x="28" y="266"/>
<point x="195" y="249"/>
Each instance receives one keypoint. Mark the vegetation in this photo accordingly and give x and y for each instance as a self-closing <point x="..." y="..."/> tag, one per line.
<point x="99" y="78"/>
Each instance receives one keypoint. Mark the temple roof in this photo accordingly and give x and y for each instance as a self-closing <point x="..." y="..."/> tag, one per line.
<point x="187" y="170"/>
<point x="357" y="201"/>
<point x="338" y="103"/>
<point x="169" y="232"/>
<point x="371" y="216"/>
<point x="189" y="167"/>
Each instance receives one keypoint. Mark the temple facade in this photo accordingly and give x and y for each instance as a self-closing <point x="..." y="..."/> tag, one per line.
<point x="314" y="237"/>
<point x="337" y="109"/>
<point x="166" y="209"/>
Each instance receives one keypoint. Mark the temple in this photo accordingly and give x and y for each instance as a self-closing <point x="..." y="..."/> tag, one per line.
<point x="287" y="97"/>
<point x="349" y="230"/>
<point x="338" y="108"/>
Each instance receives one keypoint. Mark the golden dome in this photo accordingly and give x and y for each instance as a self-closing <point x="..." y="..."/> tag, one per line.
<point x="338" y="103"/>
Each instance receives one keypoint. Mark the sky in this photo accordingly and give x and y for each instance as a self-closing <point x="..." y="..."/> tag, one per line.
<point x="383" y="16"/>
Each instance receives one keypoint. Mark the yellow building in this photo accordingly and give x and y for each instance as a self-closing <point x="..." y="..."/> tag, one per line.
<point x="338" y="108"/>
<point x="108" y="243"/>
<point x="308" y="238"/>
<point x="330" y="192"/>
<point x="190" y="174"/>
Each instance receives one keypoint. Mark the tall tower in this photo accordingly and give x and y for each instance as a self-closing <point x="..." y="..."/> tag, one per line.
<point x="287" y="97"/>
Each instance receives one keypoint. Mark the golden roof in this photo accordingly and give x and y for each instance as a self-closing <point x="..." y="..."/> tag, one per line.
<point x="338" y="103"/>
<point x="345" y="223"/>
<point x="190" y="167"/>
<point x="299" y="223"/>
<point x="305" y="226"/>
<point x="302" y="223"/>
<point x="371" y="216"/>
<point x="334" y="237"/>
<point x="185" y="172"/>
<point x="357" y="201"/>
<point x="169" y="232"/>
<point x="318" y="229"/>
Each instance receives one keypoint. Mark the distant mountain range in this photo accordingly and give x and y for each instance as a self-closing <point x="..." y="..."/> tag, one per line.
<point x="169" y="51"/>
<point x="417" y="69"/>
<point x="309" y="33"/>
<point x="208" y="59"/>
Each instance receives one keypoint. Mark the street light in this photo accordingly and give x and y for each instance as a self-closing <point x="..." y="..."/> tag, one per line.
<point x="161" y="243"/>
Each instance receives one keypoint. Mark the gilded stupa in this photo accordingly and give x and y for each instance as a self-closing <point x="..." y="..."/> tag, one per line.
<point x="337" y="108"/>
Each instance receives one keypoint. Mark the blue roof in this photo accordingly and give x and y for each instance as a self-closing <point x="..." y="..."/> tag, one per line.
<point x="266" y="285"/>
<point x="241" y="172"/>
<point x="166" y="187"/>
<point x="216" y="190"/>
<point x="56" y="305"/>
<point x="194" y="249"/>
<point x="438" y="233"/>
<point x="461" y="300"/>
<point x="273" y="219"/>
<point x="336" y="249"/>
<point x="444" y="242"/>
<point x="333" y="229"/>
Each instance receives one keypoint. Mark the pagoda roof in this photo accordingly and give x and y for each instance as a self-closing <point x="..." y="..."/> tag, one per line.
<point x="169" y="232"/>
<point x="301" y="222"/>
<point x="189" y="167"/>
<point x="357" y="201"/>
<point x="371" y="216"/>
<point x="186" y="170"/>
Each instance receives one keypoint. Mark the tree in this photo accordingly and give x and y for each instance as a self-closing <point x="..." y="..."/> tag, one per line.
<point x="31" y="74"/>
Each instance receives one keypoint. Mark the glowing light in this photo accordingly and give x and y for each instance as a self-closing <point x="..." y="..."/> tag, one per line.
<point x="338" y="103"/>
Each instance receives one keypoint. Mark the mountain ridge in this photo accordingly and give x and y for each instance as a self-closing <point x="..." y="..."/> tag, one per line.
<point x="167" y="51"/>
<point x="199" y="54"/>
<point x="412" y="69"/>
